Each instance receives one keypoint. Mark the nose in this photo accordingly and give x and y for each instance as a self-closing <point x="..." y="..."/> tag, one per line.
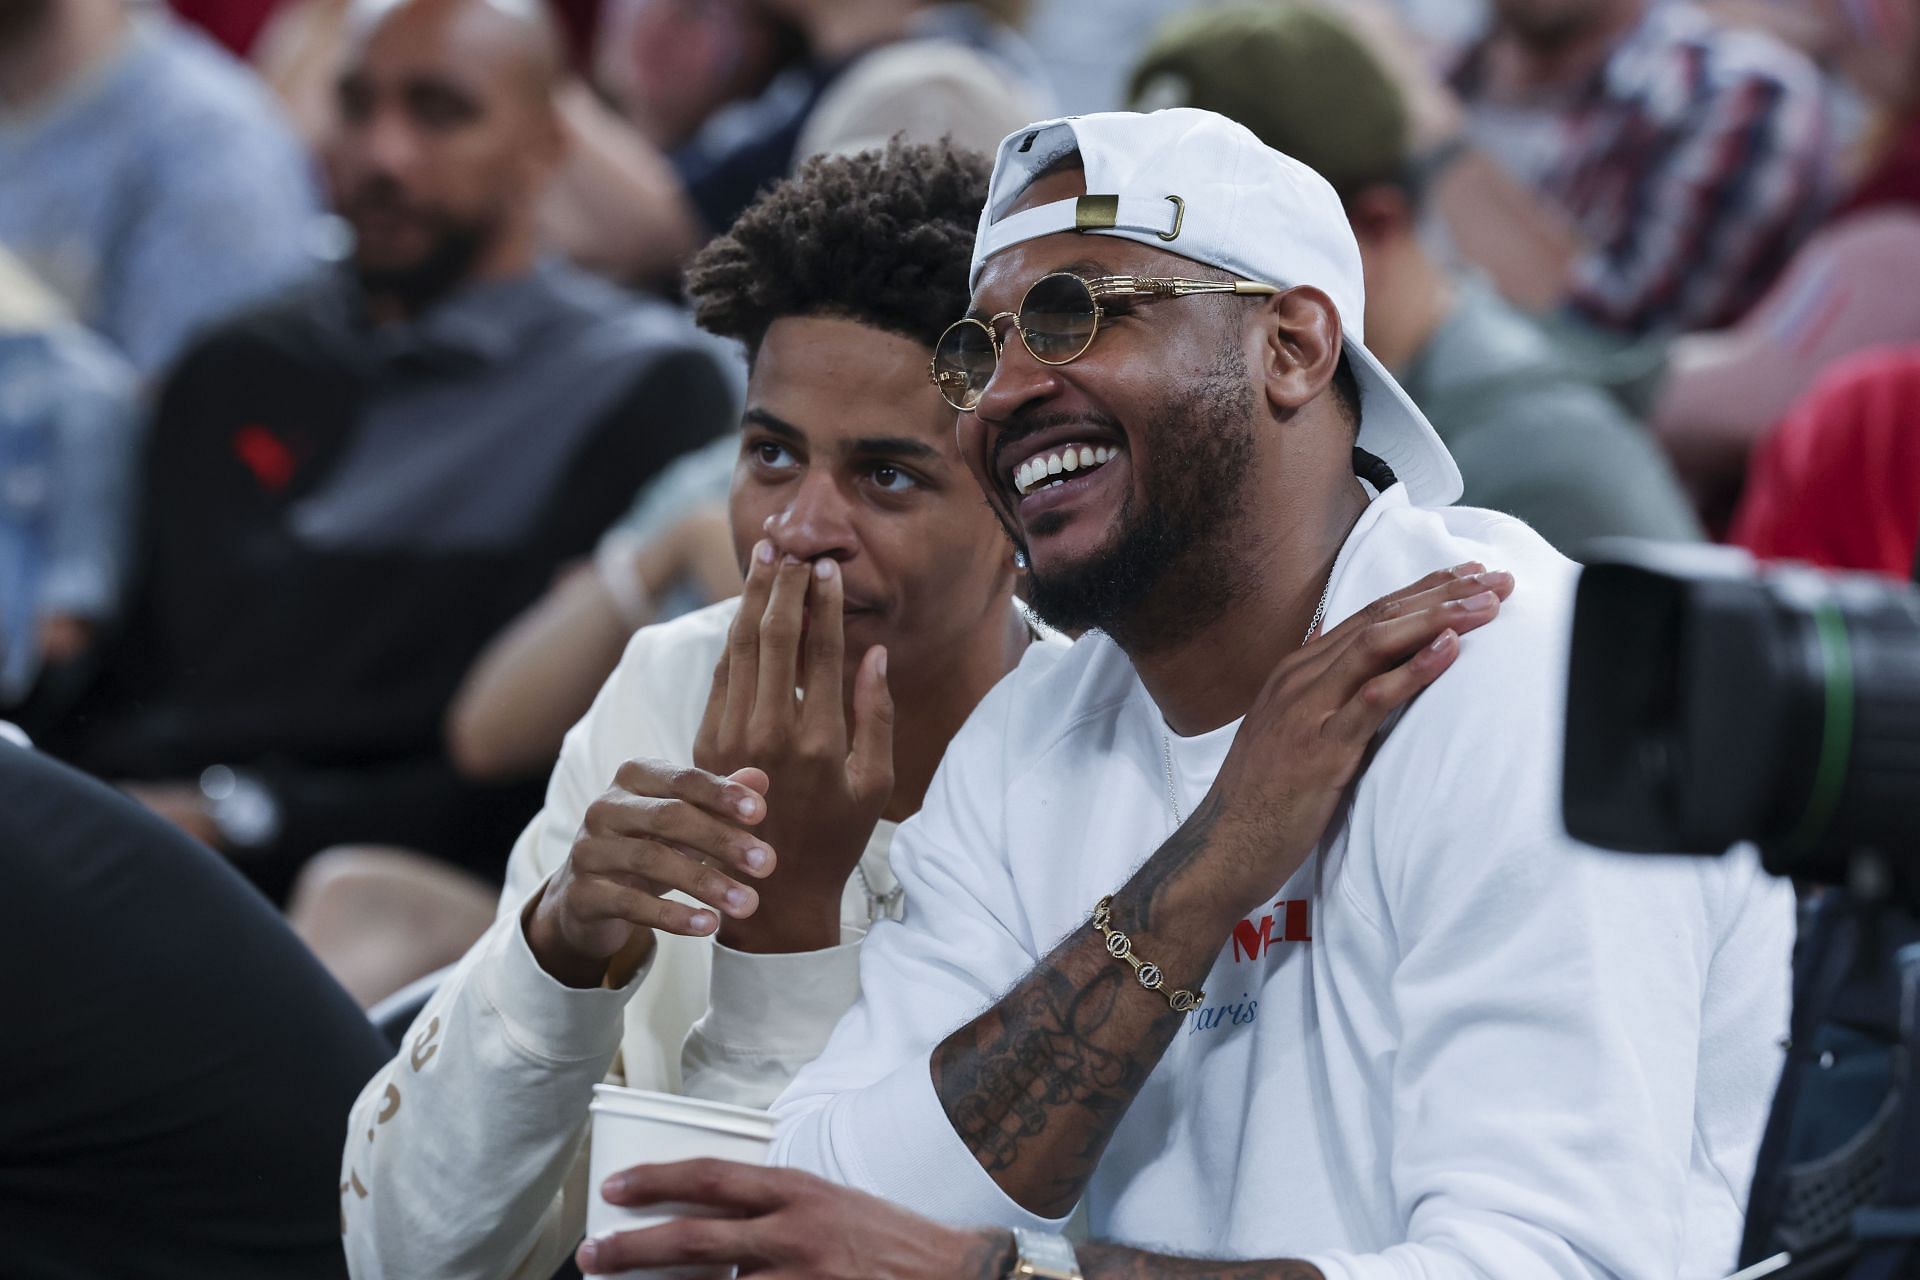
<point x="816" y="522"/>
<point x="386" y="144"/>
<point x="1018" y="381"/>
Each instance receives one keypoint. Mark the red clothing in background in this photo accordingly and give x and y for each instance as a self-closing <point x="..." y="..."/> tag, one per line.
<point x="1837" y="484"/>
<point x="1895" y="179"/>
<point x="234" y="23"/>
<point x="238" y="23"/>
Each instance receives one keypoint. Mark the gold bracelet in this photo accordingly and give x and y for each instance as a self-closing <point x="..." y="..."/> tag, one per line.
<point x="1120" y="947"/>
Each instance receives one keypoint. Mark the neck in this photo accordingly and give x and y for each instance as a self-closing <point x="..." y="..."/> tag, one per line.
<point x="1521" y="65"/>
<point x="1414" y="300"/>
<point x="1209" y="677"/>
<point x="69" y="39"/>
<point x="841" y="28"/>
<point x="929" y="711"/>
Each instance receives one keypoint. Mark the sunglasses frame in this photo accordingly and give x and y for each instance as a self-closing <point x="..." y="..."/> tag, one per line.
<point x="1145" y="288"/>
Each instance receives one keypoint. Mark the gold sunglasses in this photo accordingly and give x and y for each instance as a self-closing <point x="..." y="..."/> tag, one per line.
<point x="1057" y="321"/>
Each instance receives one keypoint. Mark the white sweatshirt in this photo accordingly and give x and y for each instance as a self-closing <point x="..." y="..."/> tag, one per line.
<point x="467" y="1155"/>
<point x="1456" y="1044"/>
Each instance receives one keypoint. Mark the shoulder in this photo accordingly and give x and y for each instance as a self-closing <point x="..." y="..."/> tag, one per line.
<point x="651" y="705"/>
<point x="600" y="322"/>
<point x="1503" y="693"/>
<point x="294" y="326"/>
<point x="662" y="654"/>
<point x="1059" y="691"/>
<point x="196" y="102"/>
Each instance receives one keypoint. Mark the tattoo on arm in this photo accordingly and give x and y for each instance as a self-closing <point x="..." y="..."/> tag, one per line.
<point x="1111" y="1262"/>
<point x="1036" y="1085"/>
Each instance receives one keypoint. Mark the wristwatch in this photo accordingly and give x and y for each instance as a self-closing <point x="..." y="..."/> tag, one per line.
<point x="1043" y="1256"/>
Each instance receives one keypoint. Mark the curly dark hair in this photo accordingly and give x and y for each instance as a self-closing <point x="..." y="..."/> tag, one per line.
<point x="883" y="238"/>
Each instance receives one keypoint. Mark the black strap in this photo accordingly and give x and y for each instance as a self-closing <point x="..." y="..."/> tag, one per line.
<point x="1373" y="470"/>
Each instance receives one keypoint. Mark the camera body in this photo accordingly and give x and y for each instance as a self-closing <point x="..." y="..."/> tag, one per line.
<point x="1710" y="703"/>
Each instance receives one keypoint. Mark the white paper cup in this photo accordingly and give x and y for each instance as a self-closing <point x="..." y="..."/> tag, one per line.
<point x="631" y="1126"/>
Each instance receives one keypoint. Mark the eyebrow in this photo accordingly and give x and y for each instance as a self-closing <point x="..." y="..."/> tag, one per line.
<point x="1085" y="268"/>
<point x="864" y="446"/>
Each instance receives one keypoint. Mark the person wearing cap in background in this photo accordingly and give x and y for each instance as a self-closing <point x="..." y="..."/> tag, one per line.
<point x="1190" y="939"/>
<point x="1533" y="437"/>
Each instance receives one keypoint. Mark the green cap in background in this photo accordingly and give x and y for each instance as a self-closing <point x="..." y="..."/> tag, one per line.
<point x="1297" y="76"/>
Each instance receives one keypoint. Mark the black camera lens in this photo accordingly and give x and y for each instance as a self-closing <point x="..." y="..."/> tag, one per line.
<point x="1709" y="704"/>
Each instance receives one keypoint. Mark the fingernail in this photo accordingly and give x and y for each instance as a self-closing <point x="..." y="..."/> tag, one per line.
<point x="1494" y="578"/>
<point x="588" y="1255"/>
<point x="881" y="664"/>
<point x="701" y="922"/>
<point x="757" y="858"/>
<point x="1441" y="641"/>
<point x="1466" y="568"/>
<point x="823" y="569"/>
<point x="747" y="806"/>
<point x="614" y="1187"/>
<point x="1475" y="603"/>
<point x="763" y="552"/>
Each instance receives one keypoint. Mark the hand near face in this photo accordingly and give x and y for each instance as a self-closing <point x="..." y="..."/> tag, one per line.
<point x="781" y="1222"/>
<point x="778" y="705"/>
<point x="1309" y="729"/>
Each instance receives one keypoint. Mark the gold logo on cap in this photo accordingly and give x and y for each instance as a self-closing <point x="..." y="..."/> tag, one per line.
<point x="1094" y="213"/>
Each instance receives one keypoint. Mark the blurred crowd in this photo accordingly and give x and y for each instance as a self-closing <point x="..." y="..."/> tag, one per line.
<point x="351" y="418"/>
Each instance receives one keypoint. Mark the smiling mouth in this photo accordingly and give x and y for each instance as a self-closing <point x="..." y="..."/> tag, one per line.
<point x="1057" y="466"/>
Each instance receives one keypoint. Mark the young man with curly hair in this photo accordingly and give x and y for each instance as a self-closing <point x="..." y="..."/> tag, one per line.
<point x="877" y="582"/>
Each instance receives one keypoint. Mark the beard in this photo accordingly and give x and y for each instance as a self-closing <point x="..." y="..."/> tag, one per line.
<point x="448" y="262"/>
<point x="1194" y="460"/>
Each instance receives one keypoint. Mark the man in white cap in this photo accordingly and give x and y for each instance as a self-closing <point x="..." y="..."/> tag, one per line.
<point x="1250" y="952"/>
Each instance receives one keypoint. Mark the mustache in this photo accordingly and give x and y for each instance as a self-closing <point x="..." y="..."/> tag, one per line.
<point x="1022" y="425"/>
<point x="381" y="194"/>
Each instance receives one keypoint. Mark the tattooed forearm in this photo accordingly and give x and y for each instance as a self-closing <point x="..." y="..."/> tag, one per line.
<point x="1036" y="1085"/>
<point x="1111" y="1262"/>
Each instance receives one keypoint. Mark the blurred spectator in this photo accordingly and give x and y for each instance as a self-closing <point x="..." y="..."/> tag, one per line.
<point x="144" y="175"/>
<point x="1873" y="49"/>
<point x="1838" y="485"/>
<point x="670" y="65"/>
<point x="1531" y="436"/>
<point x="625" y="208"/>
<point x="66" y="451"/>
<point x="352" y="490"/>
<point x="177" y="1070"/>
<point x="1855" y="285"/>
<point x="1630" y="160"/>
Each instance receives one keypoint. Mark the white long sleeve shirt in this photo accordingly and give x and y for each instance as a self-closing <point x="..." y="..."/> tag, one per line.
<point x="1454" y="1044"/>
<point x="466" y="1157"/>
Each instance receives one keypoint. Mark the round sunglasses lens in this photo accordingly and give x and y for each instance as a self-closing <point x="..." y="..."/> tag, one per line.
<point x="963" y="362"/>
<point x="1057" y="318"/>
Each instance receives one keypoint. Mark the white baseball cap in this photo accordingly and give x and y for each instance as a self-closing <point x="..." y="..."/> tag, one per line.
<point x="1197" y="184"/>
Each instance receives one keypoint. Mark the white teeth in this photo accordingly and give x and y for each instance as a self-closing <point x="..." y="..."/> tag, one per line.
<point x="1035" y="473"/>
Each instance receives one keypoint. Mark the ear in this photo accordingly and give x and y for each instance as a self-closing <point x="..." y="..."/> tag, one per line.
<point x="1300" y="348"/>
